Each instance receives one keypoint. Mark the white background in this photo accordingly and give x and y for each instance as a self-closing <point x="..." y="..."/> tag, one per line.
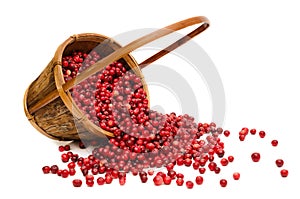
<point x="254" y="45"/>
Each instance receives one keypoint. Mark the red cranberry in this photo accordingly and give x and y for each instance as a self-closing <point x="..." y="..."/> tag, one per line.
<point x="108" y="179"/>
<point x="90" y="183"/>
<point x="71" y="165"/>
<point x="122" y="181"/>
<point x="226" y="133"/>
<point x="77" y="183"/>
<point x="255" y="157"/>
<point x="72" y="172"/>
<point x="279" y="162"/>
<point x="189" y="184"/>
<point x="223" y="183"/>
<point x="199" y="180"/>
<point x="179" y="181"/>
<point x="253" y="131"/>
<point x="262" y="134"/>
<point x="46" y="169"/>
<point x="230" y="158"/>
<point x="224" y="162"/>
<point x="236" y="176"/>
<point x="202" y="170"/>
<point x="61" y="148"/>
<point x="158" y="180"/>
<point x="64" y="157"/>
<point x="284" y="173"/>
<point x="65" y="173"/>
<point x="167" y="180"/>
<point x="100" y="181"/>
<point x="274" y="143"/>
<point x="67" y="147"/>
<point x="54" y="169"/>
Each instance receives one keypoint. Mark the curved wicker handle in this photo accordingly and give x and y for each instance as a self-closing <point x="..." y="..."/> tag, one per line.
<point x="119" y="53"/>
<point x="140" y="42"/>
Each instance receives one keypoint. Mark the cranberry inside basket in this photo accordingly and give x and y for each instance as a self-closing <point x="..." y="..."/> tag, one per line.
<point x="94" y="88"/>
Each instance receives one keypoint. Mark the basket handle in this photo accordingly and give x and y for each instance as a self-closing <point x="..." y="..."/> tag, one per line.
<point x="119" y="53"/>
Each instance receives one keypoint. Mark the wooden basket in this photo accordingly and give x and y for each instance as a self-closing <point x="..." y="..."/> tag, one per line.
<point x="48" y="104"/>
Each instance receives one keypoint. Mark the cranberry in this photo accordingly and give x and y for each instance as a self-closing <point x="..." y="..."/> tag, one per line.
<point x="46" y="169"/>
<point x="61" y="148"/>
<point x="167" y="180"/>
<point x="65" y="173"/>
<point x="100" y="181"/>
<point x="202" y="170"/>
<point x="274" y="143"/>
<point x="65" y="158"/>
<point x="90" y="183"/>
<point x="284" y="173"/>
<point x="226" y="133"/>
<point x="230" y="158"/>
<point x="72" y="172"/>
<point x="158" y="180"/>
<point x="262" y="134"/>
<point x="108" y="179"/>
<point x="223" y="183"/>
<point x="224" y="162"/>
<point x="199" y="180"/>
<point x="279" y="162"/>
<point x="253" y="131"/>
<point x="189" y="184"/>
<point x="236" y="176"/>
<point x="179" y="181"/>
<point x="67" y="147"/>
<point x="122" y="181"/>
<point x="77" y="183"/>
<point x="54" y="169"/>
<point x="255" y="157"/>
<point x="71" y="165"/>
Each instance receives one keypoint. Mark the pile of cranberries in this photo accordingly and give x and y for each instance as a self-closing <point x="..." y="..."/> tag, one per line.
<point x="146" y="143"/>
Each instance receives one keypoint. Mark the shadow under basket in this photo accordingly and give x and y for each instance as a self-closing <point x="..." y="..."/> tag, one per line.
<point x="61" y="119"/>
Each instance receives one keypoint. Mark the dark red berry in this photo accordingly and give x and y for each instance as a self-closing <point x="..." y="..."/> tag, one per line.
<point x="202" y="170"/>
<point x="236" y="175"/>
<point x="167" y="180"/>
<point x="262" y="134"/>
<point x="223" y="183"/>
<point x="65" y="173"/>
<point x="158" y="180"/>
<point x="100" y="181"/>
<point x="199" y="180"/>
<point x="226" y="133"/>
<point x="224" y="162"/>
<point x="179" y="181"/>
<point x="189" y="184"/>
<point x="284" y="173"/>
<point x="54" y="169"/>
<point x="274" y="143"/>
<point x="61" y="148"/>
<point x="67" y="147"/>
<point x="230" y="158"/>
<point x="46" y="169"/>
<point x="253" y="131"/>
<point x="77" y="183"/>
<point x="255" y="157"/>
<point x="279" y="162"/>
